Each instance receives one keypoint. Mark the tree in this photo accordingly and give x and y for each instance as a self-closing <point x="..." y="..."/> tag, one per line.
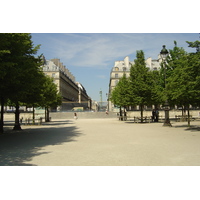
<point x="140" y="83"/>
<point x="3" y="51"/>
<point x="183" y="85"/>
<point x="157" y="89"/>
<point x="5" y="72"/>
<point x="195" y="44"/>
<point x="174" y="60"/>
<point x="18" y="68"/>
<point x="50" y="96"/>
<point x="27" y="66"/>
<point x="34" y="96"/>
<point x="121" y="94"/>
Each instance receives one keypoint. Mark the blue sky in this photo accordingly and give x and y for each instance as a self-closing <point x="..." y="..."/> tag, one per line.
<point x="91" y="56"/>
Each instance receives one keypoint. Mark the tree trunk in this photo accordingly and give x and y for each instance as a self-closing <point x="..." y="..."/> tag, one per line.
<point x="182" y="111"/>
<point x="48" y="119"/>
<point x="47" y="114"/>
<point x="125" y="117"/>
<point x="188" y="116"/>
<point x="141" y="112"/>
<point x="17" y="124"/>
<point x="2" y="115"/>
<point x="33" y="115"/>
<point x="120" y="114"/>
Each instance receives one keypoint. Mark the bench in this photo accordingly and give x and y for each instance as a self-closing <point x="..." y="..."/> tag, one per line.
<point x="138" y="119"/>
<point x="29" y="121"/>
<point x="182" y="118"/>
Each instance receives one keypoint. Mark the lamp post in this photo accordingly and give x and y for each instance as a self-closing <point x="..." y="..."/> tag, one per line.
<point x="107" y="96"/>
<point x="164" y="53"/>
<point x="100" y="99"/>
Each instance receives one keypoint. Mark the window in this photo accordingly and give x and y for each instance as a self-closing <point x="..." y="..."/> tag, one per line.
<point x="116" y="75"/>
<point x="53" y="75"/>
<point x="116" y="69"/>
<point x="124" y="69"/>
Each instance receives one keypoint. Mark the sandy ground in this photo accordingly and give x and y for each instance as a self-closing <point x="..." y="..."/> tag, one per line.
<point x="102" y="142"/>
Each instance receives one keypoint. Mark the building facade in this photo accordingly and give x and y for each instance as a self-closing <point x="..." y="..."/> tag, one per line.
<point x="123" y="67"/>
<point x="73" y="93"/>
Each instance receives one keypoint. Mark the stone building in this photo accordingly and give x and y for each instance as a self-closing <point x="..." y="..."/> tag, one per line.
<point x="73" y="93"/>
<point x="121" y="67"/>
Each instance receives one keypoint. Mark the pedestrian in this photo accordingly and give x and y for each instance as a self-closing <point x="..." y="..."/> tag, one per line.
<point x="106" y="112"/>
<point x="153" y="115"/>
<point x="156" y="115"/>
<point x="125" y="116"/>
<point x="21" y="120"/>
<point x="75" y="116"/>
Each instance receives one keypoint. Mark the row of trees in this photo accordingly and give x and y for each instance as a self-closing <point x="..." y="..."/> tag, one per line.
<point x="178" y="81"/>
<point x="22" y="81"/>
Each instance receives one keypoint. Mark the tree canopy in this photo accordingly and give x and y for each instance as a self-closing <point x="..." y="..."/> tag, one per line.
<point x="121" y="93"/>
<point x="21" y="77"/>
<point x="145" y="89"/>
<point x="178" y="81"/>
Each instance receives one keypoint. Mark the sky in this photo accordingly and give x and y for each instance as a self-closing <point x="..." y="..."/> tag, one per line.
<point x="91" y="56"/>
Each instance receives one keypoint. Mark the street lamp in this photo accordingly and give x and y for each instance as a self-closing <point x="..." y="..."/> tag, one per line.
<point x="107" y="96"/>
<point x="100" y="99"/>
<point x="164" y="53"/>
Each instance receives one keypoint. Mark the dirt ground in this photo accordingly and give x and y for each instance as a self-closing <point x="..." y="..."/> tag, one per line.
<point x="102" y="142"/>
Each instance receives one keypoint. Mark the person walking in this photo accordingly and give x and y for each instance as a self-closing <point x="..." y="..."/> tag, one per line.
<point x="75" y="116"/>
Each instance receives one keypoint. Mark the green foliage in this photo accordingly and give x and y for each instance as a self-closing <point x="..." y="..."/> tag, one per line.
<point x="18" y="68"/>
<point x="182" y="84"/>
<point x="21" y="77"/>
<point x="171" y="62"/>
<point x="157" y="89"/>
<point x="18" y="65"/>
<point x="145" y="84"/>
<point x="121" y="94"/>
<point x="141" y="81"/>
<point x="50" y="95"/>
<point x="141" y="88"/>
<point x="195" y="44"/>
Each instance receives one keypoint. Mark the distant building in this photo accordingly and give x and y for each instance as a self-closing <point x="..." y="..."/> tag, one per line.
<point x="153" y="64"/>
<point x="123" y="67"/>
<point x="73" y="93"/>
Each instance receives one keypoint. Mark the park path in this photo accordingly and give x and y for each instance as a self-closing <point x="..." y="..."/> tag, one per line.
<point x="102" y="142"/>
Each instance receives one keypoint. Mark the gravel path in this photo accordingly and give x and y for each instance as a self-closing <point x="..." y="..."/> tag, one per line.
<point x="102" y="142"/>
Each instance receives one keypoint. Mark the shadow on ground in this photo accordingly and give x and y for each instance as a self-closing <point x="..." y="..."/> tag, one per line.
<point x="192" y="128"/>
<point x="188" y="128"/>
<point x="18" y="147"/>
<point x="132" y="122"/>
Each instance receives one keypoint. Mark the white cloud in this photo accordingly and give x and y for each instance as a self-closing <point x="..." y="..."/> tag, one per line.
<point x="100" y="50"/>
<point x="93" y="50"/>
